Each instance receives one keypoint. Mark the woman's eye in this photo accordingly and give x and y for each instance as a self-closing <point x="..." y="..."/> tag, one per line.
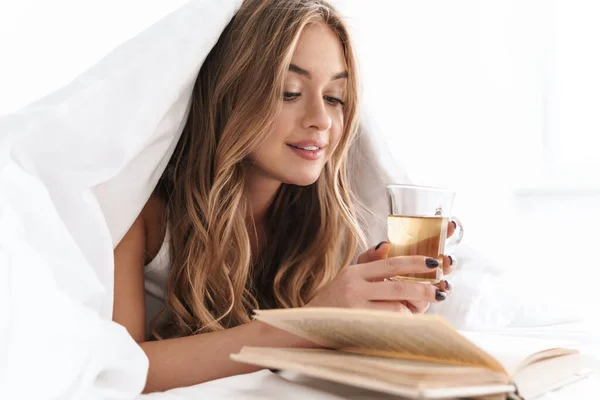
<point x="334" y="101"/>
<point x="289" y="96"/>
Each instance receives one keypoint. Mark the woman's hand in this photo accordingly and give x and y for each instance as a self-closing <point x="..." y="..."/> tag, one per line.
<point x="362" y="285"/>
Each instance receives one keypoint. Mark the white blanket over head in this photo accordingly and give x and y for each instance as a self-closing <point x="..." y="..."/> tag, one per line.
<point x="76" y="169"/>
<point x="82" y="162"/>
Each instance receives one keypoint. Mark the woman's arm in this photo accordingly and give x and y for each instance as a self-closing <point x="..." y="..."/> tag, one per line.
<point x="128" y="302"/>
<point x="194" y="359"/>
<point x="188" y="360"/>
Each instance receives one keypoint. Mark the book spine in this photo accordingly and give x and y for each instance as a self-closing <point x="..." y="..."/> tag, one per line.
<point x="516" y="395"/>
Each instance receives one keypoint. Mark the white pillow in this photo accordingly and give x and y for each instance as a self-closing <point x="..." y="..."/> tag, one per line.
<point x="82" y="163"/>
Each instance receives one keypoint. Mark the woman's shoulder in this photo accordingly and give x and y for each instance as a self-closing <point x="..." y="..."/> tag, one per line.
<point x="154" y="217"/>
<point x="153" y="207"/>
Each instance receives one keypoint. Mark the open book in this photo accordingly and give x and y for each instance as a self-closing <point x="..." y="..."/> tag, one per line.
<point x="415" y="356"/>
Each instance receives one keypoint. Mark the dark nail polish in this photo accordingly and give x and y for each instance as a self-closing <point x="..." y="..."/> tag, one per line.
<point x="455" y="226"/>
<point x="451" y="260"/>
<point x="432" y="263"/>
<point x="379" y="245"/>
<point x="448" y="286"/>
<point x="440" y="296"/>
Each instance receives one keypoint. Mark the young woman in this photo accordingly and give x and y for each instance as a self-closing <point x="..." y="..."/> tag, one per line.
<point x="255" y="208"/>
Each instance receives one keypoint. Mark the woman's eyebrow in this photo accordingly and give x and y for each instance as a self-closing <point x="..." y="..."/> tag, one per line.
<point x="303" y="72"/>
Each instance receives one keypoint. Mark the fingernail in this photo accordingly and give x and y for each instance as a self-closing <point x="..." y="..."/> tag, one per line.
<point x="451" y="260"/>
<point x="379" y="245"/>
<point x="440" y="296"/>
<point x="455" y="226"/>
<point x="432" y="263"/>
<point x="448" y="286"/>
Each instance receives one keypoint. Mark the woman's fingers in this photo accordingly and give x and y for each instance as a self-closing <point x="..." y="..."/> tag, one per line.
<point x="394" y="306"/>
<point x="449" y="263"/>
<point x="402" y="290"/>
<point x="446" y="286"/>
<point x="417" y="307"/>
<point x="451" y="228"/>
<point x="374" y="253"/>
<point x="393" y="266"/>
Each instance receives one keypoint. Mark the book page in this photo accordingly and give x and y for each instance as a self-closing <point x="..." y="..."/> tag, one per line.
<point x="319" y="364"/>
<point x="328" y="373"/>
<point x="393" y="370"/>
<point x="380" y="333"/>
<point x="552" y="373"/>
<point x="514" y="353"/>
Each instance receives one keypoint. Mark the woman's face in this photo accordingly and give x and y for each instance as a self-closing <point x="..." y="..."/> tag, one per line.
<point x="311" y="121"/>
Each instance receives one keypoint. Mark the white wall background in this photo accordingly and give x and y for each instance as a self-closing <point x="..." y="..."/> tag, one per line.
<point x="498" y="99"/>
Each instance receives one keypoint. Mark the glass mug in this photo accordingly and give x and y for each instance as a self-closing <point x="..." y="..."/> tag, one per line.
<point x="418" y="225"/>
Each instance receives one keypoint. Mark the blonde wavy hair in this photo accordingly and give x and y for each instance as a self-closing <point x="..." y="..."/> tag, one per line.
<point x="215" y="281"/>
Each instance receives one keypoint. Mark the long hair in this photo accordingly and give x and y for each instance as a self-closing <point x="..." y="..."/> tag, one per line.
<point x="215" y="281"/>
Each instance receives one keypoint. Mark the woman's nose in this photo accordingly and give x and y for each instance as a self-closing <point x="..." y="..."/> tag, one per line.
<point x="316" y="116"/>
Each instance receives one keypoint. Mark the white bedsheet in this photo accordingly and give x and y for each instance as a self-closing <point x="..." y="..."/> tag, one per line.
<point x="267" y="385"/>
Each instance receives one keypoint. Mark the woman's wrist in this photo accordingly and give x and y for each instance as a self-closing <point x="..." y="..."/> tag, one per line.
<point x="276" y="337"/>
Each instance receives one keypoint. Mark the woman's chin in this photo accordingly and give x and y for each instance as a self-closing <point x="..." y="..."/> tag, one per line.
<point x="303" y="180"/>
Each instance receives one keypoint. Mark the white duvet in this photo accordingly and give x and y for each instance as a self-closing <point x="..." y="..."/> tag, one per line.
<point x="76" y="168"/>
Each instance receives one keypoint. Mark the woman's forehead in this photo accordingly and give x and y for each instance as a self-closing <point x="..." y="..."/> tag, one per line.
<point x="319" y="52"/>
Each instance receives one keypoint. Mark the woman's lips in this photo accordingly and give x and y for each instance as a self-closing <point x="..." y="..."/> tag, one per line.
<point x="308" y="152"/>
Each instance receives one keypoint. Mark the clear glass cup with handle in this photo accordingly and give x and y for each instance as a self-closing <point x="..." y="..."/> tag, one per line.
<point x="418" y="225"/>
